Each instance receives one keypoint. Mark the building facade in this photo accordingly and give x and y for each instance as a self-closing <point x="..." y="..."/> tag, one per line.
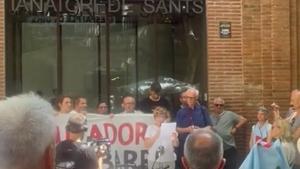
<point x="246" y="51"/>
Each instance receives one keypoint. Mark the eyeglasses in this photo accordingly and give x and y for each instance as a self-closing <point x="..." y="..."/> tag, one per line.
<point x="219" y="105"/>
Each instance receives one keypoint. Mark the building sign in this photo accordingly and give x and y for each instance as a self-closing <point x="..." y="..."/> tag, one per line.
<point x="97" y="7"/>
<point x="225" y="29"/>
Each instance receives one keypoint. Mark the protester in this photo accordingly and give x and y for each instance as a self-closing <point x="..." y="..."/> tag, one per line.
<point x="226" y="123"/>
<point x="293" y="119"/>
<point x="277" y="152"/>
<point x="70" y="153"/>
<point x="128" y="105"/>
<point x="102" y="108"/>
<point x="290" y="114"/>
<point x="261" y="129"/>
<point x="80" y="105"/>
<point x="27" y="133"/>
<point x="63" y="104"/>
<point x="203" y="149"/>
<point x="154" y="99"/>
<point x="152" y="142"/>
<point x="191" y="117"/>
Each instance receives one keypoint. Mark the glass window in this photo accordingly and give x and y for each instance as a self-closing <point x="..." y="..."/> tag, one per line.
<point x="80" y="60"/>
<point x="39" y="60"/>
<point x="67" y="53"/>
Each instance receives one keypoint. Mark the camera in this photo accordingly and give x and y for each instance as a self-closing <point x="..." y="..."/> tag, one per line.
<point x="100" y="146"/>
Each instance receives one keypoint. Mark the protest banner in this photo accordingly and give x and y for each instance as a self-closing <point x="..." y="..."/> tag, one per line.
<point x="125" y="132"/>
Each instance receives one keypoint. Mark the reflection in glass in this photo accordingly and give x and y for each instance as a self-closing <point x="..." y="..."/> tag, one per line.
<point x="39" y="68"/>
<point x="80" y="60"/>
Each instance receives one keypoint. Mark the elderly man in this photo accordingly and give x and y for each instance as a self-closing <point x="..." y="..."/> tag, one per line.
<point x="190" y="117"/>
<point x="203" y="149"/>
<point x="128" y="105"/>
<point x="27" y="133"/>
<point x="226" y="123"/>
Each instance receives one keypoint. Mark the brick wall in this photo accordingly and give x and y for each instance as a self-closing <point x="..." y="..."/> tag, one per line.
<point x="258" y="65"/>
<point x="2" y="51"/>
<point x="225" y="59"/>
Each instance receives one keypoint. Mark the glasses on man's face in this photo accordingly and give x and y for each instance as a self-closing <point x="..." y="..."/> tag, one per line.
<point x="219" y="105"/>
<point x="190" y="98"/>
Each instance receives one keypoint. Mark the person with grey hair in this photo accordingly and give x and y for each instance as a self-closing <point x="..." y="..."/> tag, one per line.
<point x="226" y="123"/>
<point x="203" y="149"/>
<point x="27" y="133"/>
<point x="189" y="118"/>
<point x="261" y="129"/>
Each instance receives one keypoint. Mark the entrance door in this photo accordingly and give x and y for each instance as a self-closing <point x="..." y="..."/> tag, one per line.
<point x="109" y="57"/>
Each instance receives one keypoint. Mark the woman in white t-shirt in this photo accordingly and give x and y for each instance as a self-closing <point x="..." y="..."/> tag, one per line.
<point x="160" y="152"/>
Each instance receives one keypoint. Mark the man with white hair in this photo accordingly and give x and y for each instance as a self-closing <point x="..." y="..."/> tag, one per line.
<point x="190" y="117"/>
<point x="203" y="149"/>
<point x="27" y="133"/>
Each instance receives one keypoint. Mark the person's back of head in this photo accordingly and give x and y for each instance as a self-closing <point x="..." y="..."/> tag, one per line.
<point x="27" y="133"/>
<point x="76" y="127"/>
<point x="71" y="153"/>
<point x="203" y="149"/>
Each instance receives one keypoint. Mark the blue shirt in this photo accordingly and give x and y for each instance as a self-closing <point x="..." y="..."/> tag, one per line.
<point x="197" y="117"/>
<point x="186" y="117"/>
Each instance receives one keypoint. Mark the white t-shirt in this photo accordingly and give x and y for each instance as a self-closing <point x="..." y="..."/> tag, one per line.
<point x="168" y="154"/>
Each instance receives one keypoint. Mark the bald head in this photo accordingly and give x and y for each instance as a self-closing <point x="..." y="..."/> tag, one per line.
<point x="203" y="149"/>
<point x="295" y="99"/>
<point x="293" y="95"/>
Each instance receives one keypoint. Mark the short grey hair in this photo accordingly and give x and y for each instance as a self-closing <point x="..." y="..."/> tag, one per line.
<point x="203" y="149"/>
<point x="27" y="130"/>
<point x="219" y="99"/>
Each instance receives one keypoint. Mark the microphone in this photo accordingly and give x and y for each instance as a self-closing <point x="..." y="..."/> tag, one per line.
<point x="159" y="152"/>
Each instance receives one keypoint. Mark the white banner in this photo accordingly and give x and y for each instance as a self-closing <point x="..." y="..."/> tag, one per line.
<point x="126" y="133"/>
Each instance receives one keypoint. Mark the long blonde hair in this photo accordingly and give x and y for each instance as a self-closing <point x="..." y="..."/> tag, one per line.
<point x="286" y="130"/>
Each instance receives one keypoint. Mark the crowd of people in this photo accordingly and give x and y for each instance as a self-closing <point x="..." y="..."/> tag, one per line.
<point x="28" y="127"/>
<point x="202" y="139"/>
